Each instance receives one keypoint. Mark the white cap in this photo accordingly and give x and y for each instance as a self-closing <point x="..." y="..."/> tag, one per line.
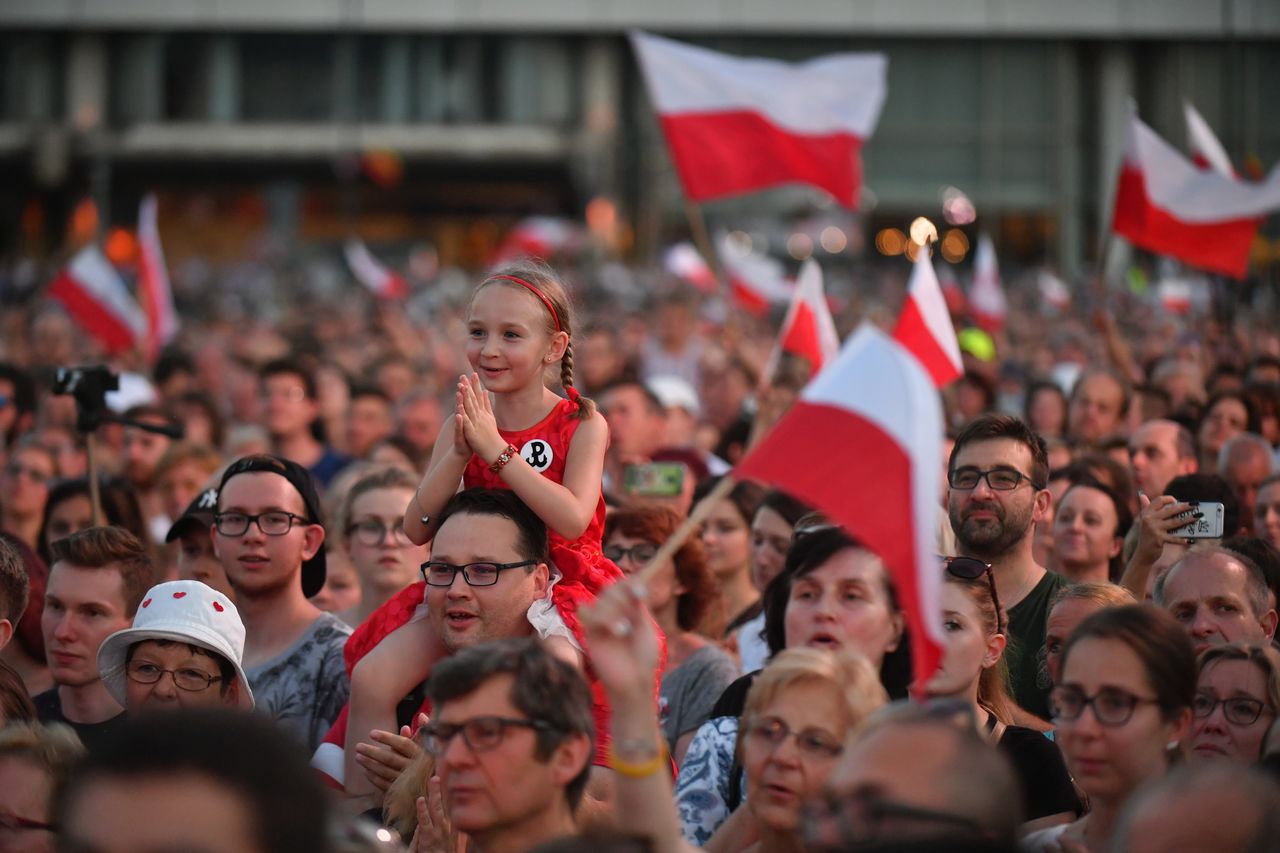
<point x="185" y="612"/>
<point x="675" y="393"/>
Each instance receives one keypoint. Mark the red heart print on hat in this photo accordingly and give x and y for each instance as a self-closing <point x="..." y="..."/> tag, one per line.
<point x="146" y="603"/>
<point x="217" y="607"/>
<point x="179" y="595"/>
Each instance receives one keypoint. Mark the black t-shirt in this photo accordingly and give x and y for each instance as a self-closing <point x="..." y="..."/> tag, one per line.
<point x="49" y="710"/>
<point x="1028" y="680"/>
<point x="1042" y="773"/>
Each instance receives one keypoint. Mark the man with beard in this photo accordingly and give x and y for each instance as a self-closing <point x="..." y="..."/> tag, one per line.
<point x="997" y="475"/>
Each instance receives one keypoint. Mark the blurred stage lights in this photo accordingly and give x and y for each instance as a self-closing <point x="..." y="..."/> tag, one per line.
<point x="891" y="241"/>
<point x="923" y="231"/>
<point x="832" y="240"/>
<point x="954" y="245"/>
<point x="800" y="246"/>
<point x="957" y="209"/>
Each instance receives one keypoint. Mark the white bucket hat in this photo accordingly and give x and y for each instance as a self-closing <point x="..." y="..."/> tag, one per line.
<point x="185" y="612"/>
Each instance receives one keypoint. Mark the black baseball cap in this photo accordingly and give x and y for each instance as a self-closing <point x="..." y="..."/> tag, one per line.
<point x="198" y="514"/>
<point x="313" y="570"/>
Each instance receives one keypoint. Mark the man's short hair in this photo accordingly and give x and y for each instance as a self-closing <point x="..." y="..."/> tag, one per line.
<point x="543" y="688"/>
<point x="1255" y="587"/>
<point x="372" y="391"/>
<point x="651" y="399"/>
<point x="15" y="586"/>
<point x="1237" y="443"/>
<point x="1208" y="488"/>
<point x="991" y="427"/>
<point x="24" y="387"/>
<point x="110" y="548"/>
<point x="244" y="753"/>
<point x="532" y="540"/>
<point x="53" y="747"/>
<point x="290" y="367"/>
<point x="1126" y="392"/>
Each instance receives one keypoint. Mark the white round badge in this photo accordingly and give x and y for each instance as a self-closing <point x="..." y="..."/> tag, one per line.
<point x="538" y="454"/>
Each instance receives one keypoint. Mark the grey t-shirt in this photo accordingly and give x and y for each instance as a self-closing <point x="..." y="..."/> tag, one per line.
<point x="689" y="691"/>
<point x="305" y="686"/>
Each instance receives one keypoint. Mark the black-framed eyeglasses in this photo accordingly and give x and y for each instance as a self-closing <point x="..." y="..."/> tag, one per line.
<point x="11" y="823"/>
<point x="373" y="533"/>
<point x="35" y="475"/>
<point x="273" y="523"/>
<point x="1239" y="710"/>
<point x="188" y="679"/>
<point x="481" y="734"/>
<point x="970" y="569"/>
<point x="640" y="553"/>
<point x="838" y="821"/>
<point x="1111" y="705"/>
<point x="438" y="573"/>
<point x="771" y="733"/>
<point x="999" y="479"/>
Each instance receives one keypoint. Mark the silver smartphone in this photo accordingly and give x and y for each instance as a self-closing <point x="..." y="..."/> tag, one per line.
<point x="1207" y="526"/>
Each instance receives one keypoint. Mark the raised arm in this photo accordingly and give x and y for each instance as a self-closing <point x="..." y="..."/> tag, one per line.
<point x="449" y="460"/>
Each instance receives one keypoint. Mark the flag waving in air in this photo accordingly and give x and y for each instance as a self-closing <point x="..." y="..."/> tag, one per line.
<point x="808" y="330"/>
<point x="1206" y="151"/>
<point x="924" y="326"/>
<point x="153" y="282"/>
<point x="384" y="283"/>
<point x="756" y="281"/>
<point x="1204" y="219"/>
<point x="735" y="124"/>
<point x="864" y="444"/>
<point x="97" y="299"/>
<point x="986" y="293"/>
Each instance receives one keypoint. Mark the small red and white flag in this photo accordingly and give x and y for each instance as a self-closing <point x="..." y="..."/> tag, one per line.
<point x="1053" y="290"/>
<point x="97" y="298"/>
<point x="1166" y="205"/>
<point x="685" y="262"/>
<point x="537" y="237"/>
<point x="808" y="330"/>
<point x="372" y="273"/>
<point x="873" y="417"/>
<point x="924" y="327"/>
<point x="951" y="291"/>
<point x="986" y="293"/>
<point x="739" y="124"/>
<point x="1175" y="295"/>
<point x="1206" y="151"/>
<point x="153" y="282"/>
<point x="757" y="282"/>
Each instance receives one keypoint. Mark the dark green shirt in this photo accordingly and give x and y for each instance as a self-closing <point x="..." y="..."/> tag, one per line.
<point x="1028" y="676"/>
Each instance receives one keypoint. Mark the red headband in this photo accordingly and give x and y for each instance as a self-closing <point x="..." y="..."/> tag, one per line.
<point x="535" y="292"/>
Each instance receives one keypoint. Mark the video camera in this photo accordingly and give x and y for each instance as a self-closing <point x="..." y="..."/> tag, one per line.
<point x="89" y="386"/>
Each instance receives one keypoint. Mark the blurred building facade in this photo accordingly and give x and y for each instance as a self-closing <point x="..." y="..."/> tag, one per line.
<point x="446" y="119"/>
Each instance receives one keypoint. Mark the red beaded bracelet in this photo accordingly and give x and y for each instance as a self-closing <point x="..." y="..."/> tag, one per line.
<point x="503" y="458"/>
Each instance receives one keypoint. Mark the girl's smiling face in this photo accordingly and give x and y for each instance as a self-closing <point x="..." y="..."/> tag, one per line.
<point x="509" y="343"/>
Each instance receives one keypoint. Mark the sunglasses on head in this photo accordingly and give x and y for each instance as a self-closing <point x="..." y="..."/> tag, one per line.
<point x="971" y="569"/>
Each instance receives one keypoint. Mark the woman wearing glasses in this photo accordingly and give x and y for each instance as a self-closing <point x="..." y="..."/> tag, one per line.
<point x="1122" y="706"/>
<point x="184" y="651"/>
<point x="973" y="670"/>
<point x="797" y="717"/>
<point x="679" y="593"/>
<point x="832" y="594"/>
<point x="371" y="520"/>
<point x="1237" y="697"/>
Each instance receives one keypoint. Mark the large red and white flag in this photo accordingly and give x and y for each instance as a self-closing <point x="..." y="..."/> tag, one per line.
<point x="97" y="299"/>
<point x="1166" y="205"/>
<point x="372" y="273"/>
<point x="1206" y="151"/>
<point x="756" y="281"/>
<point x="808" y="330"/>
<point x="863" y="443"/>
<point x="685" y="262"/>
<point x="153" y="282"/>
<point x="739" y="124"/>
<point x="986" y="293"/>
<point x="924" y="326"/>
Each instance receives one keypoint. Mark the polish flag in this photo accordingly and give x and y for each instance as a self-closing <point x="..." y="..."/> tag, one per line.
<point x="384" y="283"/>
<point x="1175" y="295"/>
<point x="986" y="294"/>
<point x="96" y="297"/>
<point x="537" y="237"/>
<point x="872" y="418"/>
<point x="1166" y="205"/>
<point x="1206" y="151"/>
<point x="951" y="292"/>
<point x="685" y="263"/>
<point x="808" y="330"/>
<point x="924" y="327"/>
<point x="735" y="124"/>
<point x="153" y="282"/>
<point x="1053" y="290"/>
<point x="756" y="282"/>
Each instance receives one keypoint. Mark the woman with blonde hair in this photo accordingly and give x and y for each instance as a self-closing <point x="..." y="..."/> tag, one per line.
<point x="1237" y="699"/>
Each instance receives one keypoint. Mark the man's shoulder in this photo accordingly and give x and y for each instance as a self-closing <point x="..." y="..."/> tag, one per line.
<point x="1041" y="594"/>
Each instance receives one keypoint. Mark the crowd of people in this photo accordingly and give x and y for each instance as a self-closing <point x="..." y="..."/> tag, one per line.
<point x="396" y="587"/>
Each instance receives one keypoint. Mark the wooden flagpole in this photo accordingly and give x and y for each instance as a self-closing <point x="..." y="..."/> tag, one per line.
<point x="687" y="529"/>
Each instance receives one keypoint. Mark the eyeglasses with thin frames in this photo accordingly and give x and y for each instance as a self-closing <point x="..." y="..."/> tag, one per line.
<point x="373" y="533"/>
<point x="640" y="553"/>
<point x="1238" y="710"/>
<point x="188" y="679"/>
<point x="439" y="573"/>
<point x="1111" y="705"/>
<point x="771" y="732"/>
<point x="273" y="523"/>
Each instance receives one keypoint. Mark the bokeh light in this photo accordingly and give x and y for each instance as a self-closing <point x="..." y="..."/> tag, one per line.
<point x="800" y="246"/>
<point x="891" y="241"/>
<point x="833" y="240"/>
<point x="923" y="231"/>
<point x="955" y="245"/>
<point x="957" y="209"/>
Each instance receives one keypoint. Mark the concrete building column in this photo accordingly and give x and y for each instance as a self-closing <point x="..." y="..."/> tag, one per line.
<point x="1070" y="208"/>
<point x="1116" y="80"/>
<point x="601" y="86"/>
